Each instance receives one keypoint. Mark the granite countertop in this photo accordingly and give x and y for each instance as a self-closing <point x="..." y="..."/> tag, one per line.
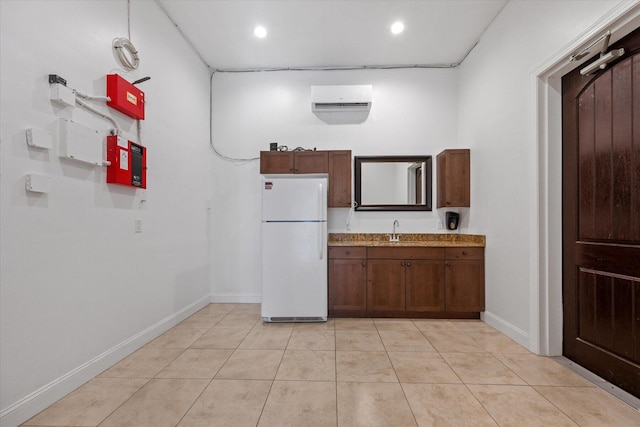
<point x="410" y="240"/>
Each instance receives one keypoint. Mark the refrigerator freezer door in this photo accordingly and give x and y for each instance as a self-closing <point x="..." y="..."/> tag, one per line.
<point x="294" y="199"/>
<point x="294" y="271"/>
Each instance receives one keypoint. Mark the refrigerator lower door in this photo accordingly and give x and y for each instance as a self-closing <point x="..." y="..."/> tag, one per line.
<point x="294" y="271"/>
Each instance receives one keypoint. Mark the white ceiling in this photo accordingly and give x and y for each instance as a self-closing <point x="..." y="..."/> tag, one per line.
<point x="328" y="33"/>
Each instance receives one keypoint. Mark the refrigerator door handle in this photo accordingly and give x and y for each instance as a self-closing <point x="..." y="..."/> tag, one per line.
<point x="320" y="239"/>
<point x="321" y="208"/>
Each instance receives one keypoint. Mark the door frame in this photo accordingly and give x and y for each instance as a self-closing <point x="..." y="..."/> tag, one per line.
<point x="545" y="337"/>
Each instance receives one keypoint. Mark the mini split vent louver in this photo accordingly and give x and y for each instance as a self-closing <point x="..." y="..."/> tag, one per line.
<point x="344" y="98"/>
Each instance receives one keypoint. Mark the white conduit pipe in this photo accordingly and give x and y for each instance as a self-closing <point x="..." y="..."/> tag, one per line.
<point x="92" y="97"/>
<point x="116" y="128"/>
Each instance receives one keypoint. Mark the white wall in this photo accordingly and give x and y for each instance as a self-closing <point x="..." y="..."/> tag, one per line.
<point x="76" y="282"/>
<point x="414" y="111"/>
<point x="497" y="111"/>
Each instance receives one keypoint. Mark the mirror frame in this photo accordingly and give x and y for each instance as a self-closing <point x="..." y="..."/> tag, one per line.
<point x="359" y="160"/>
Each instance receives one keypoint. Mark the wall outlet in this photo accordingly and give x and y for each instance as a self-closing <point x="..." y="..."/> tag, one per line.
<point x="138" y="226"/>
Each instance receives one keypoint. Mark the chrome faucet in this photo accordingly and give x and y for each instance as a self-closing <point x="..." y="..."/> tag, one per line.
<point x="395" y="237"/>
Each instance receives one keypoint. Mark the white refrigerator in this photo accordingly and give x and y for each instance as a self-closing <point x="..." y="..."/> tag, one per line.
<point x="294" y="248"/>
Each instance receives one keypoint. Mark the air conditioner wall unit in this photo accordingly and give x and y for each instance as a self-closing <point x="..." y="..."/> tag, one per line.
<point x="341" y="98"/>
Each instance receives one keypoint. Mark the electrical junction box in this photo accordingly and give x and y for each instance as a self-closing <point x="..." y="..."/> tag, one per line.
<point x="39" y="138"/>
<point x="128" y="162"/>
<point x="79" y="142"/>
<point x="125" y="97"/>
<point x="37" y="183"/>
<point x="62" y="95"/>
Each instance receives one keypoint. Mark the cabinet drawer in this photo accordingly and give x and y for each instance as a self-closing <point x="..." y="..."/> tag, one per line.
<point x="347" y="252"/>
<point x="464" y="253"/>
<point x="405" y="253"/>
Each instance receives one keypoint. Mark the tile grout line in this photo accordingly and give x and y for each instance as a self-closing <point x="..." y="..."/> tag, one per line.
<point x="149" y="379"/>
<point x="466" y="386"/>
<point x="335" y="364"/>
<point x="212" y="378"/>
<point x="214" y="375"/>
<point x="554" y="405"/>
<point x="266" y="399"/>
<point x="404" y="393"/>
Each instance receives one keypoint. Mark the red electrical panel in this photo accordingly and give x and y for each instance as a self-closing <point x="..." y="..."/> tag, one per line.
<point x="125" y="97"/>
<point x="128" y="162"/>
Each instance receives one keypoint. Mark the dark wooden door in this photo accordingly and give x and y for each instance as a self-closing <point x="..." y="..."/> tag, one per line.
<point x="424" y="285"/>
<point x="385" y="285"/>
<point x="464" y="282"/>
<point x="311" y="162"/>
<point x="276" y="162"/>
<point x="348" y="286"/>
<point x="454" y="188"/>
<point x="340" y="179"/>
<point x="601" y="218"/>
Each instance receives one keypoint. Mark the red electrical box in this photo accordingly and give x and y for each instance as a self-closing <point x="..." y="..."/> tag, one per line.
<point x="125" y="97"/>
<point x="128" y="162"/>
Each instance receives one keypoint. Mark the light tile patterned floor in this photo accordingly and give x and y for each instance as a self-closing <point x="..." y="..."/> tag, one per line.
<point x="224" y="367"/>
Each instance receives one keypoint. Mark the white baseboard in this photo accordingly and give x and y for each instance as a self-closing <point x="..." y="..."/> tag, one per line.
<point x="234" y="298"/>
<point x="40" y="399"/>
<point x="512" y="331"/>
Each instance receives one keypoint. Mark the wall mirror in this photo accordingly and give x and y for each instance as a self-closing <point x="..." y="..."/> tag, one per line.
<point x="393" y="183"/>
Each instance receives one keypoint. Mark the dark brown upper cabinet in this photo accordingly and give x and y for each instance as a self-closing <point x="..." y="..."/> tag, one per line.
<point x="294" y="162"/>
<point x="454" y="183"/>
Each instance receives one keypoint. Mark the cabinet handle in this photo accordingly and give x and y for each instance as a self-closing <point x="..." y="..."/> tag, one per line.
<point x="464" y="253"/>
<point x="408" y="264"/>
<point x="348" y="252"/>
<point x="448" y="264"/>
<point x="402" y="264"/>
<point x="364" y="264"/>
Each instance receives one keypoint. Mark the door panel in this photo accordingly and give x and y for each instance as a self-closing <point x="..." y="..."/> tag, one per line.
<point x="425" y="285"/>
<point x="385" y="285"/>
<point x="622" y="334"/>
<point x="601" y="216"/>
<point x="348" y="287"/>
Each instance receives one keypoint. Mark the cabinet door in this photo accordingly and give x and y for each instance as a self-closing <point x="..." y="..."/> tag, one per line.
<point x="311" y="162"/>
<point x="454" y="178"/>
<point x="340" y="179"/>
<point x="347" y="284"/>
<point x="465" y="285"/>
<point x="385" y="285"/>
<point x="425" y="285"/>
<point x="276" y="162"/>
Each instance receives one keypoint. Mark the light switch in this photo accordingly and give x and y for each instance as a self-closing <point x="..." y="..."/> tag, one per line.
<point x="138" y="226"/>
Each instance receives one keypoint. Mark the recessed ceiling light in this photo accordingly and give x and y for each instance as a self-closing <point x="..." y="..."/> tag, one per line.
<point x="260" y="32"/>
<point x="397" y="27"/>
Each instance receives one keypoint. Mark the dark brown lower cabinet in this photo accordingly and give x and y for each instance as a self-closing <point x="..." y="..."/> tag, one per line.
<point x="464" y="273"/>
<point x="347" y="280"/>
<point x="385" y="285"/>
<point x="406" y="282"/>
<point x="425" y="285"/>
